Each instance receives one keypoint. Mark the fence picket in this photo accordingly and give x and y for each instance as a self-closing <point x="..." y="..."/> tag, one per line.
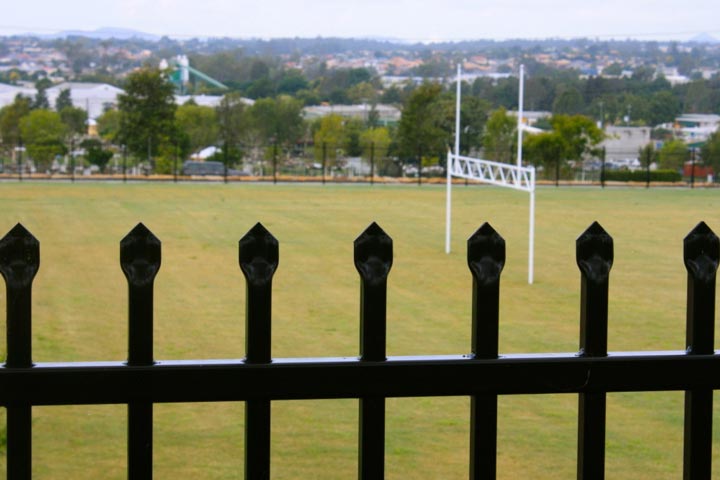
<point x="140" y="254"/>
<point x="258" y="256"/>
<point x="594" y="255"/>
<point x="486" y="259"/>
<point x="19" y="263"/>
<point x="373" y="254"/>
<point x="701" y="253"/>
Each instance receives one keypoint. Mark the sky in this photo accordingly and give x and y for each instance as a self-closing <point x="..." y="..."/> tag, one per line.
<point x="412" y="20"/>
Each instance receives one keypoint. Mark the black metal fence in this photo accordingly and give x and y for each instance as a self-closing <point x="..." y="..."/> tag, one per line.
<point x="481" y="374"/>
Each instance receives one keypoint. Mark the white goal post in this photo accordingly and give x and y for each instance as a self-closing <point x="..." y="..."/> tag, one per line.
<point x="494" y="173"/>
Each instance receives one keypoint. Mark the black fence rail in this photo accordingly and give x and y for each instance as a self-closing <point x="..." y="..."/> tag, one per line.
<point x="481" y="374"/>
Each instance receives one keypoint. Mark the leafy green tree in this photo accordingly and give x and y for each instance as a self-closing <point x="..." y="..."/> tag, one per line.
<point x="108" y="125"/>
<point x="421" y="132"/>
<point x="75" y="119"/>
<point x="41" y="100"/>
<point x="95" y="153"/>
<point x="673" y="155"/>
<point x="233" y="120"/>
<point x="579" y="133"/>
<point x="43" y="132"/>
<point x="199" y="124"/>
<point x="278" y="120"/>
<point x="329" y="137"/>
<point x="375" y="142"/>
<point x="499" y="136"/>
<point x="63" y="100"/>
<point x="568" y="102"/>
<point x="663" y="108"/>
<point x="710" y="152"/>
<point x="647" y="155"/>
<point x="10" y="118"/>
<point x="147" y="112"/>
<point x="547" y="149"/>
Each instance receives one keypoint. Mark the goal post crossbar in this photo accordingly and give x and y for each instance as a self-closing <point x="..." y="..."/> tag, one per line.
<point x="494" y="173"/>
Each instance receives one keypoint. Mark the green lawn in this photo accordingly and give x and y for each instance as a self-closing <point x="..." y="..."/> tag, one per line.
<point x="80" y="301"/>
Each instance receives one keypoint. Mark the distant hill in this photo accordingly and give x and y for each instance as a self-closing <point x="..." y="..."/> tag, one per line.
<point x="704" y="38"/>
<point x="105" y="33"/>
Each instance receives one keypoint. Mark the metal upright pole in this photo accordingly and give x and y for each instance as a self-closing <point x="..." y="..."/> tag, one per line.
<point x="692" y="167"/>
<point x="19" y="159"/>
<point x="72" y="160"/>
<point x="124" y="163"/>
<point x="521" y="99"/>
<point x="372" y="163"/>
<point x="177" y="153"/>
<point x="324" y="160"/>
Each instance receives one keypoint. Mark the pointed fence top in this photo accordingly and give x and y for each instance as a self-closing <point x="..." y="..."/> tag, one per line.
<point x="373" y="254"/>
<point x="258" y="255"/>
<point x="486" y="255"/>
<point x="594" y="253"/>
<point x="701" y="253"/>
<point x="140" y="256"/>
<point x="19" y="257"/>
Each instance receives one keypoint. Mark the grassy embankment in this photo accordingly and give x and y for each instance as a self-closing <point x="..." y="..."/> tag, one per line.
<point x="79" y="307"/>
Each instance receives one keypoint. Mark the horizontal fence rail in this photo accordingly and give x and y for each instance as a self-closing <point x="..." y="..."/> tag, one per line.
<point x="258" y="379"/>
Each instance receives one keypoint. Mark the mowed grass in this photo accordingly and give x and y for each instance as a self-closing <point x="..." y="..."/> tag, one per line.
<point x="80" y="313"/>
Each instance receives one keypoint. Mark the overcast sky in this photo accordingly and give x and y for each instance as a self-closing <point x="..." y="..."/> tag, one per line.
<point x="416" y="20"/>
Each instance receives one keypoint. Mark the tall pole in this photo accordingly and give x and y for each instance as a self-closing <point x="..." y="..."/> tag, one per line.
<point x="324" y="158"/>
<point x="602" y="168"/>
<point x="275" y="162"/>
<point x="521" y="99"/>
<point x="72" y="160"/>
<point x="372" y="163"/>
<point x="19" y="158"/>
<point x="124" y="163"/>
<point x="451" y="159"/>
<point x="175" y="162"/>
<point x="531" y="246"/>
<point x="692" y="167"/>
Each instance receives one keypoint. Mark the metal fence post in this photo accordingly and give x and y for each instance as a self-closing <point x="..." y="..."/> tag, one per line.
<point x="258" y="255"/>
<point x="594" y="255"/>
<point x="140" y="262"/>
<point x="373" y="254"/>
<point x="486" y="259"/>
<point x="701" y="254"/>
<point x="19" y="262"/>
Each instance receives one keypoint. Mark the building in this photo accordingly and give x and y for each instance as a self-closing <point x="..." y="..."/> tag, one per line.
<point x="94" y="98"/>
<point x="623" y="144"/>
<point x="387" y="114"/>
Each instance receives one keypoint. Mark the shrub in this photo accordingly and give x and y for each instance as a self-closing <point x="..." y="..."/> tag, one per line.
<point x="641" y="176"/>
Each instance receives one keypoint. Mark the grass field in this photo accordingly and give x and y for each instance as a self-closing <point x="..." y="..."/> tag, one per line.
<point x="80" y="301"/>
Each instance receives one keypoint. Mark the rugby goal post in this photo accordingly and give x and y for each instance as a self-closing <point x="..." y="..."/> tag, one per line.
<point x="505" y="175"/>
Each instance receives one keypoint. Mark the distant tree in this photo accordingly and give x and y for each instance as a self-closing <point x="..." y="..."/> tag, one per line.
<point x="75" y="119"/>
<point x="41" y="100"/>
<point x="420" y="132"/>
<point x="710" y="152"/>
<point x="63" y="100"/>
<point x="278" y="123"/>
<point x="663" y="108"/>
<point x="499" y="136"/>
<point x="329" y="137"/>
<point x="147" y="112"/>
<point x="569" y="101"/>
<point x="108" y="125"/>
<point x="548" y="150"/>
<point x="95" y="153"/>
<point x="354" y="128"/>
<point x="613" y="69"/>
<point x="647" y="156"/>
<point x="44" y="135"/>
<point x="233" y="120"/>
<point x="376" y="142"/>
<point x="199" y="124"/>
<point x="10" y="118"/>
<point x="673" y="155"/>
<point x="579" y="133"/>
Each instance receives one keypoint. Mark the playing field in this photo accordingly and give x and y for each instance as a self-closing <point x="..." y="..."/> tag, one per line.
<point x="80" y="313"/>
